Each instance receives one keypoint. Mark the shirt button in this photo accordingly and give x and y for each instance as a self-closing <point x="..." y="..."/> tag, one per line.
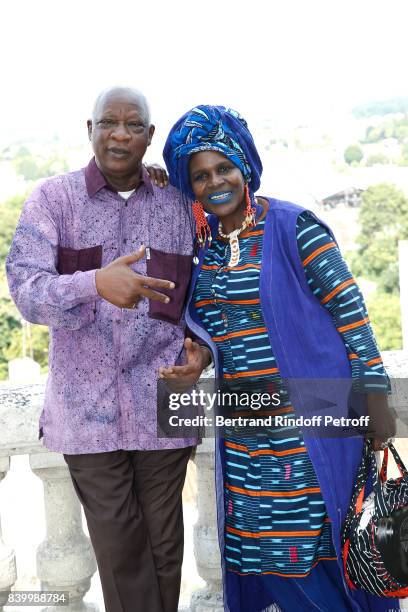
<point x="124" y="240"/>
<point x="123" y="370"/>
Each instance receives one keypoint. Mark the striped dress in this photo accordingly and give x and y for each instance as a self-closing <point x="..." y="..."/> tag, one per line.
<point x="275" y="516"/>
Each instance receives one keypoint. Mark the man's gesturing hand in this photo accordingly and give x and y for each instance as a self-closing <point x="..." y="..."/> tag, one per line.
<point x="119" y="285"/>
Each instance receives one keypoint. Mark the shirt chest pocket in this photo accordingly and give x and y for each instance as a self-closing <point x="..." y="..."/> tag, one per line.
<point x="79" y="260"/>
<point x="172" y="267"/>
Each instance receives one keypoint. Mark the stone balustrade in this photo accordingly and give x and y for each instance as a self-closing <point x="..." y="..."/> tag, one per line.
<point x="65" y="559"/>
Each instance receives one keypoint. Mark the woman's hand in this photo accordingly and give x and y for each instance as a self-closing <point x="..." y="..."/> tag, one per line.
<point x="158" y="175"/>
<point x="382" y="423"/>
<point x="198" y="358"/>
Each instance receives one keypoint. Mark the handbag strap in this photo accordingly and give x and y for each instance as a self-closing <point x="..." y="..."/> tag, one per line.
<point x="401" y="467"/>
<point x="357" y="499"/>
<point x="371" y="464"/>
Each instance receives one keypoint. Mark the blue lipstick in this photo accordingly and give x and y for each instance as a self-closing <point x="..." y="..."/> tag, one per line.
<point x="220" y="197"/>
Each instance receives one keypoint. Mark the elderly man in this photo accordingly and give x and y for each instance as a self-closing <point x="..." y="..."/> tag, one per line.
<point x="76" y="265"/>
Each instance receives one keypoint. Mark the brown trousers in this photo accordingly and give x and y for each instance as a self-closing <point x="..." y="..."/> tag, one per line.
<point x="132" y="504"/>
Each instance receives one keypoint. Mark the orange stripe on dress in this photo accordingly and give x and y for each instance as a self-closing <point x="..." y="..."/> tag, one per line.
<point x="251" y="373"/>
<point x="325" y="247"/>
<point x="283" y="453"/>
<point x="273" y="493"/>
<point x="226" y="268"/>
<point x="203" y="303"/>
<point x="353" y="325"/>
<point x="374" y="361"/>
<point x="353" y="356"/>
<point x="244" y="332"/>
<point x="255" y="301"/>
<point x="278" y="534"/>
<point x="243" y="267"/>
<point x="236" y="446"/>
<point x="215" y="301"/>
<point x="248" y="233"/>
<point x="265" y="451"/>
<point x="337" y="290"/>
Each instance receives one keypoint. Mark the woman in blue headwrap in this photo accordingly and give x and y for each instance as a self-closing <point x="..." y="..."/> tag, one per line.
<point x="274" y="300"/>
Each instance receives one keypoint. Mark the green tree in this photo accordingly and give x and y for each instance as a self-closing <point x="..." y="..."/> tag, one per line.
<point x="377" y="158"/>
<point x="383" y="220"/>
<point x="34" y="167"/>
<point x="39" y="344"/>
<point x="9" y="323"/>
<point x="404" y="155"/>
<point x="374" y="134"/>
<point x="393" y="128"/>
<point x="353" y="153"/>
<point x="385" y="317"/>
<point x="382" y="107"/>
<point x="9" y="215"/>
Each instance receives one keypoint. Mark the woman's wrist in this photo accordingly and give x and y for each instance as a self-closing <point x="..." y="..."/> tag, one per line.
<point x="206" y="356"/>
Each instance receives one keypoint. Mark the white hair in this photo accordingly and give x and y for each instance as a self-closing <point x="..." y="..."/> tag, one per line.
<point x="130" y="91"/>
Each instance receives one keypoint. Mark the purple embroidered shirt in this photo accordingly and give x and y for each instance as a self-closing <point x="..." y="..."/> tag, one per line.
<point x="103" y="360"/>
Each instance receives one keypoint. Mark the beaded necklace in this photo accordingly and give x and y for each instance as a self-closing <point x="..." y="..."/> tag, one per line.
<point x="249" y="221"/>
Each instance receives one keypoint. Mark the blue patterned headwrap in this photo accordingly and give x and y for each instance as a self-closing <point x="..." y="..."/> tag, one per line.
<point x="211" y="128"/>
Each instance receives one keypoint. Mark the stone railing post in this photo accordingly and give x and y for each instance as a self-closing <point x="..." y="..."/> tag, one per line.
<point x="8" y="572"/>
<point x="65" y="559"/>
<point x="206" y="548"/>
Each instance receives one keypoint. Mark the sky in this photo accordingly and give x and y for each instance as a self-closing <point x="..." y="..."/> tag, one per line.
<point x="288" y="61"/>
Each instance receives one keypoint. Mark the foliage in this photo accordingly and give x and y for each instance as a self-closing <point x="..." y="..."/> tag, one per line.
<point x="9" y="323"/>
<point x="403" y="161"/>
<point x="383" y="107"/>
<point x="33" y="167"/>
<point x="385" y="316"/>
<point x="383" y="220"/>
<point x="394" y="128"/>
<point x="353" y="153"/>
<point x="39" y="344"/>
<point x="377" y="158"/>
<point x="9" y="215"/>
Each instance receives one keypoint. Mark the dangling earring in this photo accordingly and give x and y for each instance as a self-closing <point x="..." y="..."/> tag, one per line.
<point x="250" y="211"/>
<point x="203" y="231"/>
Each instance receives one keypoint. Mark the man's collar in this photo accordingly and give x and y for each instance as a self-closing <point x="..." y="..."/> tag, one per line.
<point x="95" y="181"/>
<point x="147" y="180"/>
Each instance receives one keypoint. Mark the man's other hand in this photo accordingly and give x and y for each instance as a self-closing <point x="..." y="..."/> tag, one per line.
<point x="184" y="376"/>
<point x="118" y="284"/>
<point x="158" y="175"/>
